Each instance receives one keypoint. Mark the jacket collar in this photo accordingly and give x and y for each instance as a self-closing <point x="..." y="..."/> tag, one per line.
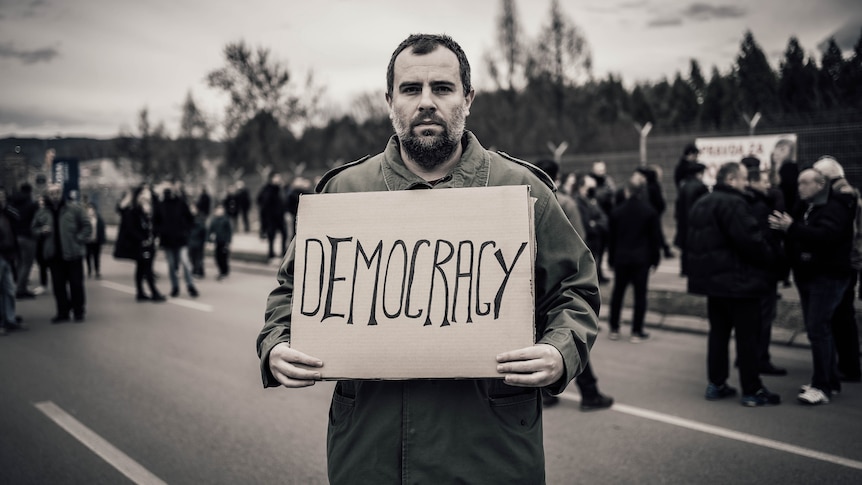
<point x="472" y="170"/>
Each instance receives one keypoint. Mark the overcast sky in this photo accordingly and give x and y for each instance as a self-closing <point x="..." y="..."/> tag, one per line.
<point x="86" y="67"/>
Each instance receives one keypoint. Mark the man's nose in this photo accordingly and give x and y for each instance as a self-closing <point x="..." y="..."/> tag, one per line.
<point x="426" y="100"/>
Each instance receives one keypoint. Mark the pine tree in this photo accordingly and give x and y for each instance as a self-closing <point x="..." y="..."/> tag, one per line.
<point x="756" y="79"/>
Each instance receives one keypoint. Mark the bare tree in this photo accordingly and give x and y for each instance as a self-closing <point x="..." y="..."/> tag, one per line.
<point x="506" y="65"/>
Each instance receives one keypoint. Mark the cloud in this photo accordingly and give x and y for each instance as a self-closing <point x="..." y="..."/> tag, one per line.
<point x="665" y="22"/>
<point x="699" y="12"/>
<point x="845" y="37"/>
<point x="704" y="11"/>
<point x="44" y="54"/>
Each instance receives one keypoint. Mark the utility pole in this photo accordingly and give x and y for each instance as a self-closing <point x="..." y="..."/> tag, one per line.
<point x="752" y="122"/>
<point x="644" y="132"/>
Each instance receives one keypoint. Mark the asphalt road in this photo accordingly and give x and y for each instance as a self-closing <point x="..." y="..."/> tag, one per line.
<point x="170" y="393"/>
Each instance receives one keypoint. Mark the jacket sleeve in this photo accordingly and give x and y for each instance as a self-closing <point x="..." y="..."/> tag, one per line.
<point x="746" y="235"/>
<point x="830" y="226"/>
<point x="567" y="293"/>
<point x="277" y="316"/>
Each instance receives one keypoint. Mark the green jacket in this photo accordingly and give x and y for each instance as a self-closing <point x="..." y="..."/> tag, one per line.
<point x="454" y="431"/>
<point x="75" y="231"/>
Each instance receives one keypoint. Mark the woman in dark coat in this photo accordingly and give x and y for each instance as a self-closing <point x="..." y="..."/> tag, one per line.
<point x="136" y="241"/>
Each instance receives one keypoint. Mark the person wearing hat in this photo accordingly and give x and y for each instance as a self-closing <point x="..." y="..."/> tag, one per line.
<point x="686" y="163"/>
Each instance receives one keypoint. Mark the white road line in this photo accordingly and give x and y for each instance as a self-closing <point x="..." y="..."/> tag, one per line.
<point x="108" y="452"/>
<point x="727" y="433"/>
<point x="174" y="301"/>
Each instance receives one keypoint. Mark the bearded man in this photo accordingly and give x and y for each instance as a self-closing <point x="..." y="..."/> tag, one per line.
<point x="447" y="431"/>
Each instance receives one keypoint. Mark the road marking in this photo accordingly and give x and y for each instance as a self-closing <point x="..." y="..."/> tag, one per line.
<point x="108" y="452"/>
<point x="727" y="433"/>
<point x="174" y="301"/>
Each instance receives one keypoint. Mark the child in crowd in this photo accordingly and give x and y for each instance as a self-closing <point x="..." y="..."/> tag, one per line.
<point x="197" y="241"/>
<point x="220" y="232"/>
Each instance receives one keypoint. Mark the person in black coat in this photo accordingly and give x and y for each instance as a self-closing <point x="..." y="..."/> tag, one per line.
<point x="271" y="200"/>
<point x="690" y="190"/>
<point x="730" y="261"/>
<point x="819" y="241"/>
<point x="655" y="196"/>
<point x="173" y="222"/>
<point x="136" y="241"/>
<point x="634" y="246"/>
<point x="764" y="200"/>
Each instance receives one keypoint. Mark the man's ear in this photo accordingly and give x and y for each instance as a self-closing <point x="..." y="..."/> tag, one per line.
<point x="388" y="99"/>
<point x="469" y="99"/>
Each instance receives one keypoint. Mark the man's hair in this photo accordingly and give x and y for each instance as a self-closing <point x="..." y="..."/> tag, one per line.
<point x="425" y="44"/>
<point x="689" y="149"/>
<point x="728" y="170"/>
<point x="550" y="167"/>
<point x="829" y="167"/>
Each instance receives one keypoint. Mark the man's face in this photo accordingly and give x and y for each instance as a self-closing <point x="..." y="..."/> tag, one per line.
<point x="55" y="193"/>
<point x="600" y="169"/>
<point x="740" y="181"/>
<point x="762" y="183"/>
<point x="428" y="106"/>
<point x="809" y="185"/>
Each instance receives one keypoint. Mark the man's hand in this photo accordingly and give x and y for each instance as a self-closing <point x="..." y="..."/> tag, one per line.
<point x="780" y="221"/>
<point x="281" y="363"/>
<point x="537" y="366"/>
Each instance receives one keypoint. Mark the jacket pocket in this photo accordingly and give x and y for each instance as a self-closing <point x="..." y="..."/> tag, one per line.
<point x="343" y="404"/>
<point x="519" y="411"/>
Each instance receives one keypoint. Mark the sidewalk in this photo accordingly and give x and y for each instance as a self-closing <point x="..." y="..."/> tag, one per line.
<point x="669" y="305"/>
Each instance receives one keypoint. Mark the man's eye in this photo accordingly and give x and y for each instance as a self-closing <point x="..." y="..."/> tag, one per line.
<point x="443" y="89"/>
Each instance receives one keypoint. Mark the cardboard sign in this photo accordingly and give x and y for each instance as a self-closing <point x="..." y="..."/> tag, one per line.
<point x="415" y="283"/>
<point x="771" y="150"/>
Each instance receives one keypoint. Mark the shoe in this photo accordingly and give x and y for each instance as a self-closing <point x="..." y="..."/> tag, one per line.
<point x="594" y="403"/>
<point x="18" y="326"/>
<point x="806" y="387"/>
<point x="614" y="335"/>
<point x="25" y="295"/>
<point x="638" y="337"/>
<point x="175" y="292"/>
<point x="142" y="298"/>
<point x="158" y="298"/>
<point x="714" y="393"/>
<point x="193" y="292"/>
<point x="761" y="398"/>
<point x="850" y="377"/>
<point x="771" y="370"/>
<point x="79" y="318"/>
<point x="98" y="276"/>
<point x="221" y="277"/>
<point x="60" y="319"/>
<point x="813" y="396"/>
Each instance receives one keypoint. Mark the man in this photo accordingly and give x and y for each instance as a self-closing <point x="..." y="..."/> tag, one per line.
<point x="446" y="431"/>
<point x="243" y="201"/>
<point x="271" y="200"/>
<point x="819" y="238"/>
<point x="634" y="246"/>
<point x="685" y="164"/>
<point x="8" y="253"/>
<point x="605" y="191"/>
<point x="655" y="196"/>
<point x="173" y="221"/>
<point x="591" y="398"/>
<point x="594" y="218"/>
<point x="65" y="229"/>
<point x="764" y="200"/>
<point x="844" y="328"/>
<point x="26" y="208"/>
<point x="729" y="261"/>
<point x="690" y="189"/>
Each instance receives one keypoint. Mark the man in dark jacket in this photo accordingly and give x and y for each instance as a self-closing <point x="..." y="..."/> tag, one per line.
<point x="819" y="239"/>
<point x="764" y="200"/>
<point x="173" y="221"/>
<point x="271" y="200"/>
<point x="686" y="164"/>
<point x="594" y="218"/>
<point x="65" y="229"/>
<point x="634" y="246"/>
<point x="455" y="430"/>
<point x="730" y="261"/>
<point x="691" y="189"/>
<point x="8" y="253"/>
<point x="26" y="207"/>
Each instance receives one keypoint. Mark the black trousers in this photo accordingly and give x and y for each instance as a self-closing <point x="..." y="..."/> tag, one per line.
<point x="222" y="255"/>
<point x="742" y="317"/>
<point x="637" y="275"/>
<point x="144" y="274"/>
<point x="67" y="281"/>
<point x="94" y="256"/>
<point x="845" y="332"/>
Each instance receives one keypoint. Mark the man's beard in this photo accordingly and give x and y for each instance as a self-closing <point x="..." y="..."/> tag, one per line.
<point x="430" y="152"/>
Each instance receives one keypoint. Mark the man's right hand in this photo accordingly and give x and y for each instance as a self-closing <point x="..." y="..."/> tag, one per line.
<point x="282" y="360"/>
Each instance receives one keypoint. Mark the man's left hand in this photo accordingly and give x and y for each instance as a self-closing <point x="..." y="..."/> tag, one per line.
<point x="537" y="366"/>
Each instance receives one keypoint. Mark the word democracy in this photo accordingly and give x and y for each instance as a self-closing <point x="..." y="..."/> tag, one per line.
<point x="426" y="266"/>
